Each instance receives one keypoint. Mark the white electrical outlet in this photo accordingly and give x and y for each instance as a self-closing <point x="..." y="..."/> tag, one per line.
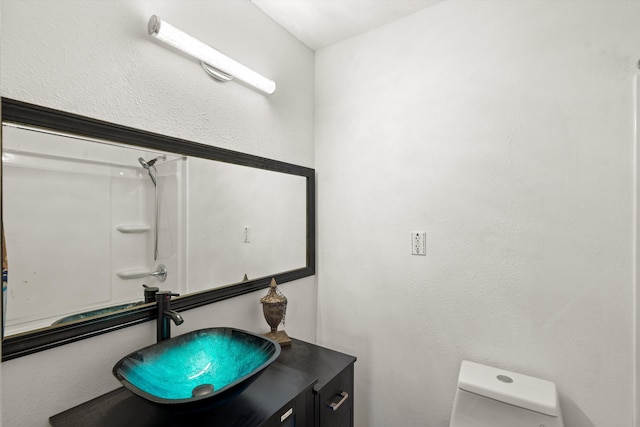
<point x="418" y="243"/>
<point x="246" y="234"/>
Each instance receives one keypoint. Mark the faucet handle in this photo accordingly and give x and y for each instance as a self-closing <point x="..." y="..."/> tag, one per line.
<point x="165" y="295"/>
<point x="150" y="293"/>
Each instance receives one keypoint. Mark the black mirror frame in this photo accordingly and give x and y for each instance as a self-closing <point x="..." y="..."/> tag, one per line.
<point x="19" y="112"/>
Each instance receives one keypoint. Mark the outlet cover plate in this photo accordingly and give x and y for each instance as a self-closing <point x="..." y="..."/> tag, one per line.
<point x="418" y="243"/>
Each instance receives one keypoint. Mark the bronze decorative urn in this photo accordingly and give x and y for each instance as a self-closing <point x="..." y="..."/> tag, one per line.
<point x="274" y="307"/>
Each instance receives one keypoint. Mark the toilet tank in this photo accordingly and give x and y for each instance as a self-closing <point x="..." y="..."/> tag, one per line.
<point x="492" y="397"/>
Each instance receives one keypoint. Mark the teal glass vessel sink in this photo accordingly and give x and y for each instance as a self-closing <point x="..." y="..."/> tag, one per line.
<point x="207" y="365"/>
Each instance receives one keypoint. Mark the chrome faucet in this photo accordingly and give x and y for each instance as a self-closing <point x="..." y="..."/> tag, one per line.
<point x="166" y="315"/>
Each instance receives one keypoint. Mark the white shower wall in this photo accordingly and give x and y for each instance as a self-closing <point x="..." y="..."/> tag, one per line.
<point x="65" y="201"/>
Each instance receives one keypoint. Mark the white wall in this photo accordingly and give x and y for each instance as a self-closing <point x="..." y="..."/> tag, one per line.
<point x="505" y="131"/>
<point x="230" y="197"/>
<point x="95" y="58"/>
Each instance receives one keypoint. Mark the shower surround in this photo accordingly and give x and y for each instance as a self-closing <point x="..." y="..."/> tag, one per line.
<point x="83" y="214"/>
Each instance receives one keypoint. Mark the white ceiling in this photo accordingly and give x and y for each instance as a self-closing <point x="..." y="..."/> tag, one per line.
<point x="320" y="23"/>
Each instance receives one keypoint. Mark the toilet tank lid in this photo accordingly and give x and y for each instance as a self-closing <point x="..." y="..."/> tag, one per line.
<point x="520" y="390"/>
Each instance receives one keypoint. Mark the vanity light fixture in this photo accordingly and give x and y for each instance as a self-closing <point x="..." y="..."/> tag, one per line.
<point x="215" y="63"/>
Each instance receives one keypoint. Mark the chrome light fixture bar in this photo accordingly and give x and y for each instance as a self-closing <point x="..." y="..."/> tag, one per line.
<point x="215" y="63"/>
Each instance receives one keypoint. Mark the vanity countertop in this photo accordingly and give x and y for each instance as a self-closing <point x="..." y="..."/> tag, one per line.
<point x="324" y="364"/>
<point x="300" y="367"/>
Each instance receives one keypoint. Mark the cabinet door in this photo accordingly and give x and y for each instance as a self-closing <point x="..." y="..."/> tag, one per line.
<point x="335" y="401"/>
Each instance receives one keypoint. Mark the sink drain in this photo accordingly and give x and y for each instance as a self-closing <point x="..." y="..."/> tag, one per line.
<point x="202" y="390"/>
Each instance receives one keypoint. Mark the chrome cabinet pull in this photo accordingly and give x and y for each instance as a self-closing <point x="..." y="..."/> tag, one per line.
<point x="335" y="406"/>
<point x="286" y="415"/>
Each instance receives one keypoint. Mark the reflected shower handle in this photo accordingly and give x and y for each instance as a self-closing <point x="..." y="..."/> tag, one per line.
<point x="160" y="273"/>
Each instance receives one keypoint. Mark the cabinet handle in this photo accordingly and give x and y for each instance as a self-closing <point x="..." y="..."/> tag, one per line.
<point x="286" y="415"/>
<point x="334" y="406"/>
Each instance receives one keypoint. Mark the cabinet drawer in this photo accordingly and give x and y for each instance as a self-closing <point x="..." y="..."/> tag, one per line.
<point x="335" y="400"/>
<point x="294" y="414"/>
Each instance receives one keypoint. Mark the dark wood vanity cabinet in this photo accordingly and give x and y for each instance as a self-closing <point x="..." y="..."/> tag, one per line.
<point x="308" y="386"/>
<point x="333" y="391"/>
<point x="335" y="401"/>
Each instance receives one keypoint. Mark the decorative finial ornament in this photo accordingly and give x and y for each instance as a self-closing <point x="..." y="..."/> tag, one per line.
<point x="274" y="307"/>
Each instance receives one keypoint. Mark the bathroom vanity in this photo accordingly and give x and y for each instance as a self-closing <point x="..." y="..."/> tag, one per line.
<point x="307" y="386"/>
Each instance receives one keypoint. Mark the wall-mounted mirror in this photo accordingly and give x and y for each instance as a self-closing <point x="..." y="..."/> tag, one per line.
<point x="93" y="212"/>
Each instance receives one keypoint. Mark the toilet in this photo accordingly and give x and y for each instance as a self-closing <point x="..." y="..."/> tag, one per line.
<point x="492" y="397"/>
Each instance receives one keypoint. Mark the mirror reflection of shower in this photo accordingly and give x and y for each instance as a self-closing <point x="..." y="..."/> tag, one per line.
<point x="149" y="165"/>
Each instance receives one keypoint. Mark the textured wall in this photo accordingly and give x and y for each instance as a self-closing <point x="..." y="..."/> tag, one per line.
<point x="100" y="62"/>
<point x="95" y="58"/>
<point x="505" y="131"/>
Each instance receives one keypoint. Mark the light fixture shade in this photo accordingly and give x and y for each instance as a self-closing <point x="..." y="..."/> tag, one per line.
<point x="177" y="38"/>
